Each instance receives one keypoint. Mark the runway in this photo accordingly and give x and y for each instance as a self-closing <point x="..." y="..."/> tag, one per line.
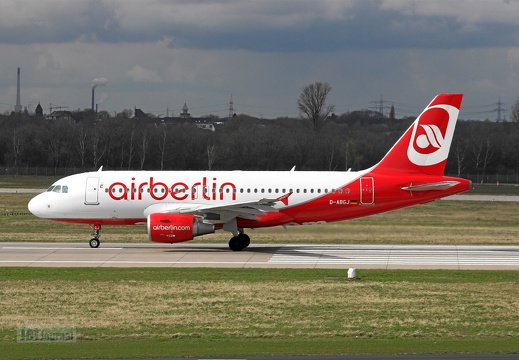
<point x="261" y="256"/>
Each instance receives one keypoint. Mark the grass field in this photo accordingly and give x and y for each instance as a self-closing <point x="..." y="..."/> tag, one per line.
<point x="228" y="312"/>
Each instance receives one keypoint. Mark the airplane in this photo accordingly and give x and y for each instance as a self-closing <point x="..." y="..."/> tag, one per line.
<point x="178" y="206"/>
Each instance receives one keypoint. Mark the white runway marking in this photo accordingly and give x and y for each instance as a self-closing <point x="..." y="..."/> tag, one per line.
<point x="304" y="256"/>
<point x="52" y="248"/>
<point x="390" y="256"/>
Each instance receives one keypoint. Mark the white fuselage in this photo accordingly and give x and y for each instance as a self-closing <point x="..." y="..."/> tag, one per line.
<point x="129" y="196"/>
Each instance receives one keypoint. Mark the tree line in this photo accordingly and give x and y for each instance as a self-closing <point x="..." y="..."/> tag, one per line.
<point x="355" y="140"/>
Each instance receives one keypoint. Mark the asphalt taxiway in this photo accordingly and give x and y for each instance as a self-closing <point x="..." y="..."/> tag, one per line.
<point x="261" y="256"/>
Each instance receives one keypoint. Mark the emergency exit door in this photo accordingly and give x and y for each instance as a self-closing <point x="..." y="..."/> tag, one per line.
<point x="367" y="191"/>
<point x="91" y="191"/>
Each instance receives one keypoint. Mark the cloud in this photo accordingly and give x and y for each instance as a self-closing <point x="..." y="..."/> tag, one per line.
<point x="160" y="54"/>
<point x="270" y="25"/>
<point x="143" y="75"/>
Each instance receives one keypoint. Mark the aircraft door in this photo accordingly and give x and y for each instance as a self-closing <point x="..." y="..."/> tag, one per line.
<point x="367" y="191"/>
<point x="91" y="191"/>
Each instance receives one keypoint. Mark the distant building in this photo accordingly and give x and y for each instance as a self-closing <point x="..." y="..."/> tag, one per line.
<point x="185" y="112"/>
<point x="39" y="111"/>
<point x="206" y="123"/>
<point x="139" y="114"/>
<point x="61" y="115"/>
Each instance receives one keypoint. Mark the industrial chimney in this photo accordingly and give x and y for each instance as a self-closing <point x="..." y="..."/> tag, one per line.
<point x="93" y="90"/>
<point x="18" y="106"/>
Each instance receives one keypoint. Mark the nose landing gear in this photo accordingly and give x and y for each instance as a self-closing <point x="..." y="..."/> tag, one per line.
<point x="94" y="242"/>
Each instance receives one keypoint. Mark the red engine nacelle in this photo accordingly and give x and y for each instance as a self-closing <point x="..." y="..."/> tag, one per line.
<point x="172" y="228"/>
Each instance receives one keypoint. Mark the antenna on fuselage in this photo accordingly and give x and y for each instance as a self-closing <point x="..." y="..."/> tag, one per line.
<point x="101" y="168"/>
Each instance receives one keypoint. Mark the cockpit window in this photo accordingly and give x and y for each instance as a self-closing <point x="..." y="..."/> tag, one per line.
<point x="58" y="189"/>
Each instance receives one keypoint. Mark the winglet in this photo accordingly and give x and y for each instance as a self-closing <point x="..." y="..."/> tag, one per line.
<point x="284" y="198"/>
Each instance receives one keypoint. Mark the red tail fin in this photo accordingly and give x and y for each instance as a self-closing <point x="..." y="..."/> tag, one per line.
<point x="424" y="147"/>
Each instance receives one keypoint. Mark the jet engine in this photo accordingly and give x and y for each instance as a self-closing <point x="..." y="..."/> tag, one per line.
<point x="172" y="228"/>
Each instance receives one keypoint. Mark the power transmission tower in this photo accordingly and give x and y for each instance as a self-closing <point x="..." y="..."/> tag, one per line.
<point x="499" y="108"/>
<point x="231" y="108"/>
<point x="379" y="105"/>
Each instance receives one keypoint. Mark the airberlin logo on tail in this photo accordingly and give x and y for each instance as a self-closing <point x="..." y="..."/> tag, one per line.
<point x="432" y="135"/>
<point x="431" y="139"/>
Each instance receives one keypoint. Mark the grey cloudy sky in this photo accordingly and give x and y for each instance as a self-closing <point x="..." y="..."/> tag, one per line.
<point x="158" y="54"/>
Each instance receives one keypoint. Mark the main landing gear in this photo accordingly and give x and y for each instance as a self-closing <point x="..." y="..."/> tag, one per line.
<point x="94" y="242"/>
<point x="239" y="242"/>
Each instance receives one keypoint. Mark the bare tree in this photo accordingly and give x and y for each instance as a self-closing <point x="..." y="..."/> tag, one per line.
<point x="312" y="103"/>
<point x="330" y="156"/>
<point x="162" y="147"/>
<point x="489" y="153"/>
<point x="17" y="142"/>
<point x="98" y="150"/>
<point x="460" y="152"/>
<point x="82" y="145"/>
<point x="130" y="150"/>
<point x="211" y="155"/>
<point x="144" y="148"/>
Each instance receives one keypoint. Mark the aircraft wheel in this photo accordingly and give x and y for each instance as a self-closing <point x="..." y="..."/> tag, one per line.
<point x="244" y="240"/>
<point x="240" y="242"/>
<point x="94" y="243"/>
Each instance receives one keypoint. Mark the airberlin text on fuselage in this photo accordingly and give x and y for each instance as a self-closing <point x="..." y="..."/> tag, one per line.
<point x="178" y="190"/>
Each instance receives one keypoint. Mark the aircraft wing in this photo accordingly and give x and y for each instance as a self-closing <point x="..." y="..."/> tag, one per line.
<point x="250" y="210"/>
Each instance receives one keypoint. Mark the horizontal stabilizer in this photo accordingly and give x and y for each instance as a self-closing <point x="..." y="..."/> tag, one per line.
<point x="442" y="185"/>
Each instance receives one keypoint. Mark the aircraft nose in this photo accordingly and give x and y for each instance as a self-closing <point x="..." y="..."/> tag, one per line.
<point x="36" y="206"/>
